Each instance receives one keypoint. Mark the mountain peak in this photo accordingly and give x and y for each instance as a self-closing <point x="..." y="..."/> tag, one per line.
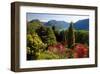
<point x="82" y="24"/>
<point x="60" y="25"/>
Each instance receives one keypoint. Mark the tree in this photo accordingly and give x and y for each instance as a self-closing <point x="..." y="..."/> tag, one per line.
<point x="57" y="33"/>
<point x="47" y="35"/>
<point x="71" y="36"/>
<point x="42" y="32"/>
<point x="34" y="45"/>
<point x="33" y="25"/>
<point x="63" y="36"/>
<point x="51" y="36"/>
<point x="82" y="36"/>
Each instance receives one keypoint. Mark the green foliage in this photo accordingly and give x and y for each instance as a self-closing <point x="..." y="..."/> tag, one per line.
<point x="34" y="44"/>
<point x="42" y="32"/>
<point x="33" y="25"/>
<point x="71" y="36"/>
<point x="57" y="34"/>
<point x="63" y="36"/>
<point x="82" y="36"/>
<point x="47" y="35"/>
<point x="60" y="35"/>
<point x="47" y="55"/>
<point x="51" y="36"/>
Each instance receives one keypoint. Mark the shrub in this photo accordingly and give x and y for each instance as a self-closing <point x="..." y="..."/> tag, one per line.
<point x="34" y="42"/>
<point x="80" y="51"/>
<point x="34" y="45"/>
<point x="82" y="36"/>
<point x="58" y="49"/>
<point x="47" y="55"/>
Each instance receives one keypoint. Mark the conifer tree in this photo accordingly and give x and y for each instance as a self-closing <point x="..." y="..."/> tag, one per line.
<point x="71" y="36"/>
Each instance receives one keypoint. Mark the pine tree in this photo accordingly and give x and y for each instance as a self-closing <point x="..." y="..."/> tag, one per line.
<point x="57" y="33"/>
<point x="71" y="36"/>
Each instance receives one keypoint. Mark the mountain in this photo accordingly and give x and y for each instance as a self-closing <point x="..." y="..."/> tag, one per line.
<point x="60" y="25"/>
<point x="82" y="25"/>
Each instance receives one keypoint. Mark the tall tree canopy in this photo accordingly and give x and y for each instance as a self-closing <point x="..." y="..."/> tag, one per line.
<point x="71" y="36"/>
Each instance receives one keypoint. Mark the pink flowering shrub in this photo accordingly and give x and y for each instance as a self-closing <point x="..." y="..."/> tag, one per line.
<point x="58" y="48"/>
<point x="78" y="51"/>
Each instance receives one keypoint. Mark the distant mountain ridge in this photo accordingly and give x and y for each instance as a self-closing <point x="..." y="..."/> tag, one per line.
<point x="82" y="24"/>
<point x="62" y="25"/>
<point x="58" y="24"/>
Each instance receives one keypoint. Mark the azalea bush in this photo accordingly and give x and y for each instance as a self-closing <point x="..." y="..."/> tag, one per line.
<point x="58" y="49"/>
<point x="80" y="51"/>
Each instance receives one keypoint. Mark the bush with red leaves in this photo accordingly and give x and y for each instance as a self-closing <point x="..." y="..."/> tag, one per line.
<point x="80" y="51"/>
<point x="58" y="48"/>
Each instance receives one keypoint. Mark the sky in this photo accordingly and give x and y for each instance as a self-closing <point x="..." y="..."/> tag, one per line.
<point x="45" y="17"/>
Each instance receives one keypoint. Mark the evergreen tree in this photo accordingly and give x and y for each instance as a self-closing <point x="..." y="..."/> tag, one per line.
<point x="51" y="36"/>
<point x="57" y="33"/>
<point x="62" y="34"/>
<point x="42" y="32"/>
<point x="71" y="36"/>
<point x="47" y="35"/>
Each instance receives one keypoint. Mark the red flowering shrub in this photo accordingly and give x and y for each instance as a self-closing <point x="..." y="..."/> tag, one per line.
<point x="58" y="48"/>
<point x="75" y="55"/>
<point x="80" y="51"/>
